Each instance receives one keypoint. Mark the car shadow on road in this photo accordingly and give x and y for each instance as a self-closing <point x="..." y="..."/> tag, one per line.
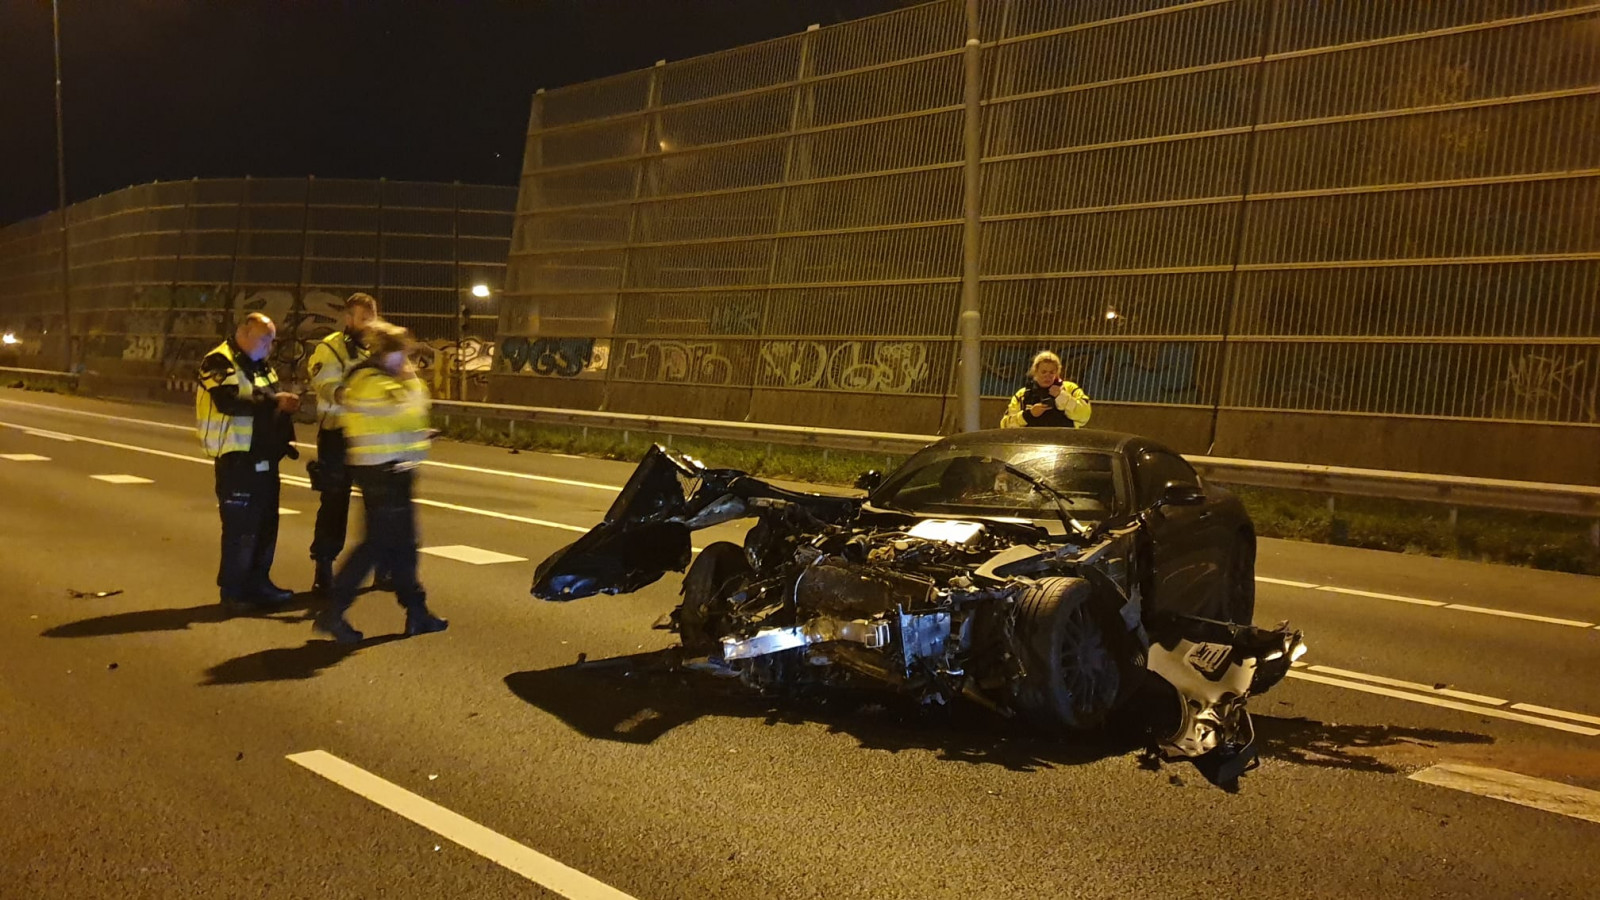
<point x="1384" y="749"/>
<point x="288" y="663"/>
<point x="140" y="621"/>
<point x="638" y="698"/>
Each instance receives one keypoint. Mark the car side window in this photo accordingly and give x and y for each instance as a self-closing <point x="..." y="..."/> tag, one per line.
<point x="1153" y="469"/>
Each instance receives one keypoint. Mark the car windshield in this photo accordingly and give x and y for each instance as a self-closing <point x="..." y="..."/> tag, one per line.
<point x="973" y="481"/>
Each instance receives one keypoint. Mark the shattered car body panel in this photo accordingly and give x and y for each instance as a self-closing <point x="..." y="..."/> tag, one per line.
<point x="1028" y="575"/>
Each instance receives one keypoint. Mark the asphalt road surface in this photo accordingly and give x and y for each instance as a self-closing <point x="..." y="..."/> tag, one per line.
<point x="1443" y="738"/>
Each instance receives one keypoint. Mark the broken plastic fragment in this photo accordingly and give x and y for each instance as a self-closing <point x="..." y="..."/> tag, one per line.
<point x="433" y="778"/>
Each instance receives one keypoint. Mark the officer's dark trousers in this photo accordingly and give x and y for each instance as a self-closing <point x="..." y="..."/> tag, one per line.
<point x="333" y="515"/>
<point x="391" y="539"/>
<point x="248" y="501"/>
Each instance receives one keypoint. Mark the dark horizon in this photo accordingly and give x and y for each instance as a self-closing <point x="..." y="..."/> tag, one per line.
<point x="168" y="90"/>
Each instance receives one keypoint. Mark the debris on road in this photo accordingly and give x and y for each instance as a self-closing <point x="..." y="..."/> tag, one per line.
<point x="91" y="595"/>
<point x="111" y="666"/>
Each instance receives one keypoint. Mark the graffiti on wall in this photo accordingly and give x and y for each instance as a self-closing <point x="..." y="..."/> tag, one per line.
<point x="893" y="367"/>
<point x="675" y="362"/>
<point x="559" y="357"/>
<point x="1540" y="386"/>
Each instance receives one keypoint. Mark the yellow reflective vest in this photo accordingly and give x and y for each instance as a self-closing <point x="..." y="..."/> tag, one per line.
<point x="219" y="432"/>
<point x="385" y="418"/>
<point x="332" y="359"/>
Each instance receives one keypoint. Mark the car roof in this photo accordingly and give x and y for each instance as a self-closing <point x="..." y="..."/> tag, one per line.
<point x="1085" y="438"/>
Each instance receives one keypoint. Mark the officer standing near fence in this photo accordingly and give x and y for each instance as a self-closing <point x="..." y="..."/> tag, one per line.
<point x="1047" y="400"/>
<point x="385" y="417"/>
<point x="244" y="423"/>
<point x="332" y="359"/>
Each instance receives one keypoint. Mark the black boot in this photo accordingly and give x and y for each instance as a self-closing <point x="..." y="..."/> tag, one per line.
<point x="420" y="621"/>
<point x="322" y="581"/>
<point x="268" y="594"/>
<point x="331" y="622"/>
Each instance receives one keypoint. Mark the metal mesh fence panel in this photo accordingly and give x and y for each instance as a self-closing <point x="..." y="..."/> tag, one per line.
<point x="1379" y="208"/>
<point x="160" y="272"/>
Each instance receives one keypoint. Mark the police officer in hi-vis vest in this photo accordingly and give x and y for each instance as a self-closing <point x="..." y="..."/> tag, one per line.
<point x="244" y="423"/>
<point x="387" y="433"/>
<point x="333" y="358"/>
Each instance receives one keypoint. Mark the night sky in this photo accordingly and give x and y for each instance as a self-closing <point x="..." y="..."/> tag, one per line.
<point x="434" y="91"/>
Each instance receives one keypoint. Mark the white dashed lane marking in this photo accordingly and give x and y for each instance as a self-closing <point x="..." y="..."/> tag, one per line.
<point x="286" y="511"/>
<point x="24" y="457"/>
<point x="122" y="479"/>
<point x="1510" y="787"/>
<point x="51" y="435"/>
<point x="456" y="828"/>
<point x="473" y="555"/>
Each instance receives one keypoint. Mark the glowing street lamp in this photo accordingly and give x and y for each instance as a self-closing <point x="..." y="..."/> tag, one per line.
<point x="9" y="338"/>
<point x="480" y="291"/>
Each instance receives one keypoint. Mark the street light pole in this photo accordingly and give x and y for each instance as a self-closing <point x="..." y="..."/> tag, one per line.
<point x="970" y="381"/>
<point x="61" y="193"/>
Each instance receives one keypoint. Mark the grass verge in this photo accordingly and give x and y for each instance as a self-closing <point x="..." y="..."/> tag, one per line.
<point x="1558" y="543"/>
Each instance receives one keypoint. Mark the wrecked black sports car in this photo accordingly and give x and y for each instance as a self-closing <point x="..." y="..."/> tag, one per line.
<point x="1053" y="573"/>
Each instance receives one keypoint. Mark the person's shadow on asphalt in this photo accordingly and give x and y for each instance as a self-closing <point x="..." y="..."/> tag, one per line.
<point x="273" y="664"/>
<point x="638" y="698"/>
<point x="288" y="663"/>
<point x="298" y="610"/>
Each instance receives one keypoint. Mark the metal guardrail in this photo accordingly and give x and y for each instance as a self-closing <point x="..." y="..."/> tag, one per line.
<point x="48" y="373"/>
<point x="1451" y="490"/>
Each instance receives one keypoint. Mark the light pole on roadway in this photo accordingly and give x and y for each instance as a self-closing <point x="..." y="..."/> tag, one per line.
<point x="61" y="194"/>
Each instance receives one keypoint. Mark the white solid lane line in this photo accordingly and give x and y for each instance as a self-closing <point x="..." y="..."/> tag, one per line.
<point x="1457" y="705"/>
<point x="1558" y="713"/>
<point x="439" y="504"/>
<point x="122" y="479"/>
<point x="24" y="457"/>
<point x="503" y="473"/>
<point x="1523" y="790"/>
<point x="1262" y="579"/>
<point x="1425" y="688"/>
<point x="1377" y="596"/>
<point x="548" y="479"/>
<point x="491" y="845"/>
<point x="299" y="481"/>
<point x="1418" y="601"/>
<point x="476" y="556"/>
<point x="1550" y="620"/>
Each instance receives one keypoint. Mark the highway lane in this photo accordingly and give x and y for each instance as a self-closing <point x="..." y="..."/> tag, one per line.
<point x="658" y="788"/>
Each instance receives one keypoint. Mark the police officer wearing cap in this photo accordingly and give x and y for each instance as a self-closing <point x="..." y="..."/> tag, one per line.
<point x="243" y="422"/>
<point x="387" y="432"/>
<point x="333" y="358"/>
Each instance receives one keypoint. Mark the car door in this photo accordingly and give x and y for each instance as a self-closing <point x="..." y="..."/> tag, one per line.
<point x="1186" y="542"/>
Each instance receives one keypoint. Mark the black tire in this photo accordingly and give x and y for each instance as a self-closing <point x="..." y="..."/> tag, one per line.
<point x="719" y="571"/>
<point x="1241" y="581"/>
<point x="1075" y="674"/>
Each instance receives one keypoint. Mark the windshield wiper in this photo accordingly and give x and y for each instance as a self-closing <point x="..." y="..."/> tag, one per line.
<point x="1067" y="519"/>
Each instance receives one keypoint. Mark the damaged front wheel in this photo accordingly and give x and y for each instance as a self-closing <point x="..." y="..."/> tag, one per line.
<point x="718" y="573"/>
<point x="1074" y="674"/>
